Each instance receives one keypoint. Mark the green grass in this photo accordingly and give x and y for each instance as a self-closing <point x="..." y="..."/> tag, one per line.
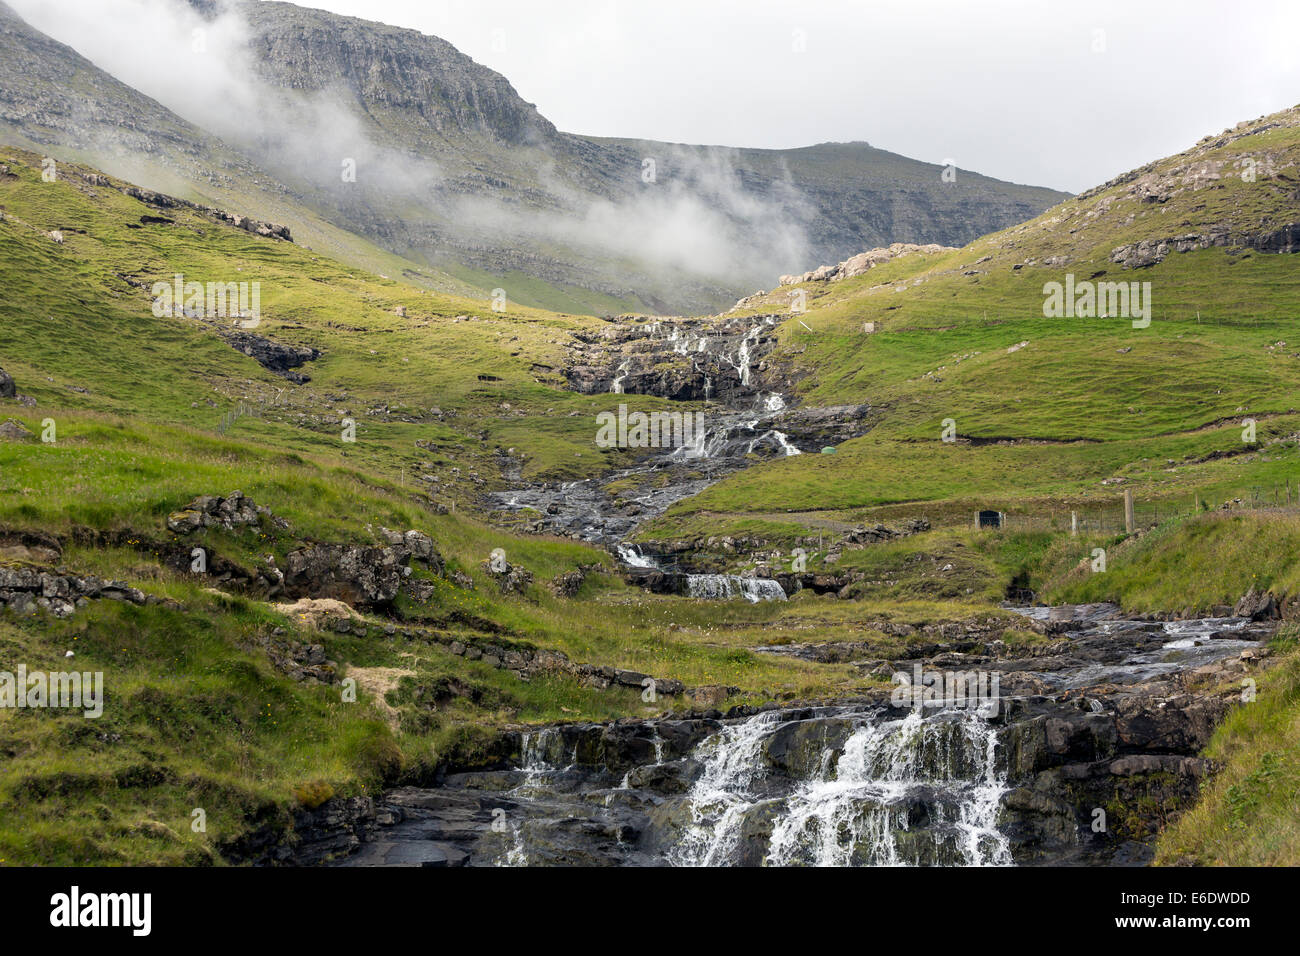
<point x="1246" y="813"/>
<point x="1195" y="563"/>
<point x="198" y="716"/>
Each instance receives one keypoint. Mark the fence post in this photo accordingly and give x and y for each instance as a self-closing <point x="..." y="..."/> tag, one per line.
<point x="1128" y="510"/>
<point x="1074" y="524"/>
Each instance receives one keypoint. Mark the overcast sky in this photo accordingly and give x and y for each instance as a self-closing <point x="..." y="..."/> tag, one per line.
<point x="1025" y="90"/>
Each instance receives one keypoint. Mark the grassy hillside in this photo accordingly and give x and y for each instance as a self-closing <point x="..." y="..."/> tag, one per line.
<point x="1044" y="410"/>
<point x="200" y="711"/>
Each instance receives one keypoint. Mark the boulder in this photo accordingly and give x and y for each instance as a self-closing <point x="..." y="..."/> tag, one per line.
<point x="422" y="549"/>
<point x="14" y="430"/>
<point x="510" y="578"/>
<point x="567" y="583"/>
<point x="210" y="511"/>
<point x="1257" y="606"/>
<point x="356" y="575"/>
<point x="7" y="387"/>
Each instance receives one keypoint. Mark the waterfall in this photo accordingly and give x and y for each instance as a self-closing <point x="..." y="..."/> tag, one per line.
<point x="924" y="789"/>
<point x="720" y="797"/>
<point x="780" y="438"/>
<point x="788" y="448"/>
<point x="616" y="386"/>
<point x="725" y="586"/>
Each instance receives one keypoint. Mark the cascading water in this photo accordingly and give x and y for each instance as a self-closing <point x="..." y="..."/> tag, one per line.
<point x="721" y="796"/>
<point x="634" y="558"/>
<point x="862" y="783"/>
<point x="725" y="586"/>
<point x="924" y="789"/>
<point x="616" y="386"/>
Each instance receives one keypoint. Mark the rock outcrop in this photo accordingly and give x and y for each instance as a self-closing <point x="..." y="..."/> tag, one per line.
<point x="7" y="387"/>
<point x="25" y="590"/>
<point x="863" y="262"/>
<point x="226" y="514"/>
<point x="274" y="356"/>
<point x="13" y="430"/>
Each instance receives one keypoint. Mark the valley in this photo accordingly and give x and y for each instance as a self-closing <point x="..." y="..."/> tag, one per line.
<point x="438" y="548"/>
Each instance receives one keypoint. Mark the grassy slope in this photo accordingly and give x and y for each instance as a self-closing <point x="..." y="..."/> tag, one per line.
<point x="1247" y="813"/>
<point x="197" y="716"/>
<point x="1084" y="399"/>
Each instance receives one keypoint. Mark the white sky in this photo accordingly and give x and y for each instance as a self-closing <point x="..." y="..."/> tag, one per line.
<point x="1011" y="88"/>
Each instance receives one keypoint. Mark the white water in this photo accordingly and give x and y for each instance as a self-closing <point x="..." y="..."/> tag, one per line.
<point x="726" y="586"/>
<point x="720" y="797"/>
<point x="616" y="386"/>
<point x="857" y="806"/>
<point x="634" y="558"/>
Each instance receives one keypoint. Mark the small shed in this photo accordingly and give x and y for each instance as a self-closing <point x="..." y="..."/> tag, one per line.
<point x="990" y="519"/>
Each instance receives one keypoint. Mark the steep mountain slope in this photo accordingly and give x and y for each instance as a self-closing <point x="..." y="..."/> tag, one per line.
<point x="397" y="137"/>
<point x="419" y="95"/>
<point x="54" y="100"/>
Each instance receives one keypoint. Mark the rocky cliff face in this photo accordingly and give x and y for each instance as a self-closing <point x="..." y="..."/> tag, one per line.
<point x="419" y="87"/>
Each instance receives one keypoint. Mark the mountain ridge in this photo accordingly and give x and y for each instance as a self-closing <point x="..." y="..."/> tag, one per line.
<point x="468" y="181"/>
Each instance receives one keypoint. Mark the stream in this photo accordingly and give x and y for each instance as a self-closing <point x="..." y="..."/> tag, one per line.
<point x="1102" y="719"/>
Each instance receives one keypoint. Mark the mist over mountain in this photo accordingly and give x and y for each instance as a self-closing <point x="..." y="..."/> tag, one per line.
<point x="396" y="136"/>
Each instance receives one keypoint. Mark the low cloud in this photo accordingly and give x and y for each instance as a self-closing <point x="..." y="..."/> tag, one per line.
<point x="696" y="220"/>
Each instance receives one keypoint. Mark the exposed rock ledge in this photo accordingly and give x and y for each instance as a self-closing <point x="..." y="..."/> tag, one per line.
<point x="863" y="262"/>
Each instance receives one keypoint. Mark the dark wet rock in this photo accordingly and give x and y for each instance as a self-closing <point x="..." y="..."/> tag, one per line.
<point x="7" y="388"/>
<point x="274" y="356"/>
<point x="308" y="836"/>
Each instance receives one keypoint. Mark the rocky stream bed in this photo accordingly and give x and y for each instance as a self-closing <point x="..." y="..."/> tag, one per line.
<point x="1090" y="746"/>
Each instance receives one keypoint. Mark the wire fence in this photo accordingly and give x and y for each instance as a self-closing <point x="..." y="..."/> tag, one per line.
<point x="1101" y="518"/>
